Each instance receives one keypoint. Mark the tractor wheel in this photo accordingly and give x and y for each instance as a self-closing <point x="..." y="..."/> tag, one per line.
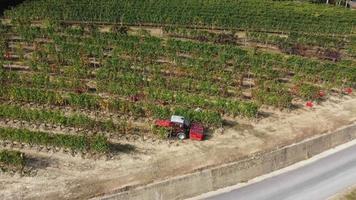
<point x="181" y="136"/>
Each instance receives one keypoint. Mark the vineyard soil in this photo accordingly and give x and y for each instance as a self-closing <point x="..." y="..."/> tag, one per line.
<point x="59" y="175"/>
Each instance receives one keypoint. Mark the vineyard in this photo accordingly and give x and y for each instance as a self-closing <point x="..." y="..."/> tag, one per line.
<point x="89" y="78"/>
<point x="133" y="77"/>
<point x="284" y="16"/>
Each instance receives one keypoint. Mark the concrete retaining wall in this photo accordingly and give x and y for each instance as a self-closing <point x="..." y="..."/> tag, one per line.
<point x="230" y="174"/>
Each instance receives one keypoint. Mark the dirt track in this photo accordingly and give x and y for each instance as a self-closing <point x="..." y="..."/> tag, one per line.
<point x="59" y="175"/>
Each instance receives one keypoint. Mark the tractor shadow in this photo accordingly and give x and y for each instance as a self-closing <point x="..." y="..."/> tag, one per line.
<point x="116" y="148"/>
<point x="37" y="163"/>
<point x="208" y="134"/>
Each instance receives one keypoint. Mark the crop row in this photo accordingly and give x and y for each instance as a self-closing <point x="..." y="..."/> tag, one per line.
<point x="40" y="80"/>
<point x="182" y="98"/>
<point x="125" y="73"/>
<point x="94" y="144"/>
<point x="266" y="15"/>
<point x="155" y="94"/>
<point x="78" y="69"/>
<point x="322" y="41"/>
<point x="286" y="42"/>
<point x="260" y="62"/>
<point x="326" y="48"/>
<point x="69" y="54"/>
<point x="262" y="65"/>
<point x="202" y="65"/>
<point x="59" y="118"/>
<point x="129" y="85"/>
<point x="202" y="54"/>
<point x="271" y="62"/>
<point x="86" y="101"/>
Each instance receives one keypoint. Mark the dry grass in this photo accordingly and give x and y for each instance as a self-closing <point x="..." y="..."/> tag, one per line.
<point x="351" y="195"/>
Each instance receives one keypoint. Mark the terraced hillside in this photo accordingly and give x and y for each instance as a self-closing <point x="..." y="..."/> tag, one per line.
<point x="89" y="76"/>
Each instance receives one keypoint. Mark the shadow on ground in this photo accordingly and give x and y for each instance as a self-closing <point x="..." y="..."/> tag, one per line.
<point x="116" y="148"/>
<point x="38" y="162"/>
<point x="6" y="4"/>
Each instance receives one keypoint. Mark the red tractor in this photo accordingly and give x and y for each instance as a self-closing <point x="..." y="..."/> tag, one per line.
<point x="182" y="128"/>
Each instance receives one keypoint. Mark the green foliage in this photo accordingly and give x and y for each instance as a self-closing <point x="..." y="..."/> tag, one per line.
<point x="161" y="132"/>
<point x="207" y="117"/>
<point x="251" y="15"/>
<point x="60" y="118"/>
<point x="309" y="92"/>
<point x="73" y="142"/>
<point x="274" y="94"/>
<point x="83" y="101"/>
<point x="100" y="144"/>
<point x="12" y="160"/>
<point x="32" y="95"/>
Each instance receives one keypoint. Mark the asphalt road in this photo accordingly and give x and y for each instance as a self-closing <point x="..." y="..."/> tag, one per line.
<point x="318" y="180"/>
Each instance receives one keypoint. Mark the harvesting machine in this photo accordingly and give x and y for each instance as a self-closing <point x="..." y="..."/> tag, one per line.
<point x="182" y="128"/>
